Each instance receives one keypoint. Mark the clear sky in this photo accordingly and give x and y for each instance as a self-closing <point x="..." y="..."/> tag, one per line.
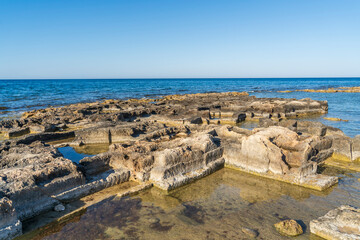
<point x="179" y="38"/>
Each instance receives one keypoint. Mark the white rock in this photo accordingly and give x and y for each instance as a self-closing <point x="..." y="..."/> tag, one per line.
<point x="342" y="223"/>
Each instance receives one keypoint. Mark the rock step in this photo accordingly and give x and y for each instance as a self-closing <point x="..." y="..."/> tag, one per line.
<point x="317" y="182"/>
<point x="110" y="178"/>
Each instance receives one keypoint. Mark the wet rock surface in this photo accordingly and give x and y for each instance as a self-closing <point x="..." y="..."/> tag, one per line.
<point x="342" y="223"/>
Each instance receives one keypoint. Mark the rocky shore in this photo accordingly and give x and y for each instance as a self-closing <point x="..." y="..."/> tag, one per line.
<point x="167" y="142"/>
<point x="328" y="90"/>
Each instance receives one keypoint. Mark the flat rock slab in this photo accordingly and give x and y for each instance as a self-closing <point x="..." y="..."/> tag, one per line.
<point x="342" y="223"/>
<point x="317" y="182"/>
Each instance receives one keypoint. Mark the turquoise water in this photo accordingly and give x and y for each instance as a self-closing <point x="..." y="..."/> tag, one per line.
<point x="17" y="96"/>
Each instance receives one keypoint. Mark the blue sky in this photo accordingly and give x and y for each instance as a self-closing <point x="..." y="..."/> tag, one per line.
<point x="179" y="38"/>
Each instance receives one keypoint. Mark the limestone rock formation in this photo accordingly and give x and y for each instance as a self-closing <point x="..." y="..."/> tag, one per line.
<point x="344" y="148"/>
<point x="190" y="159"/>
<point x="169" y="141"/>
<point x="342" y="223"/>
<point x="281" y="153"/>
<point x="30" y="174"/>
<point x="168" y="164"/>
<point x="221" y="108"/>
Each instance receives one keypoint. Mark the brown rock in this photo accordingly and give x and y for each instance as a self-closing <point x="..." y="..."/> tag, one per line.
<point x="289" y="228"/>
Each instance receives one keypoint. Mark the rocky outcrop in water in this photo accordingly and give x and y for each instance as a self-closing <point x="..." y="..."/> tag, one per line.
<point x="343" y="147"/>
<point x="329" y="90"/>
<point x="31" y="174"/>
<point x="280" y="153"/>
<point x="342" y="223"/>
<point x="208" y="107"/>
<point x="168" y="163"/>
<point x="37" y="178"/>
<point x="169" y="141"/>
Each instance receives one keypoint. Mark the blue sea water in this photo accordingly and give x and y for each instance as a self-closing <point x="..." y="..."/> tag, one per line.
<point x="70" y="153"/>
<point x="17" y="96"/>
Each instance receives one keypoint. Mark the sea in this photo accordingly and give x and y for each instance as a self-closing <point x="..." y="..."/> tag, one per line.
<point x="18" y="96"/>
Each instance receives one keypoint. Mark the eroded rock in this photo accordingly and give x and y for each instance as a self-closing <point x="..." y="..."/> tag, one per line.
<point x="30" y="174"/>
<point x="342" y="223"/>
<point x="289" y="228"/>
<point x="169" y="141"/>
<point x="168" y="164"/>
<point x="280" y="153"/>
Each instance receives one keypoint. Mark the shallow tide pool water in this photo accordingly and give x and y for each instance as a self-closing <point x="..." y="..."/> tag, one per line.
<point x="75" y="154"/>
<point x="218" y="206"/>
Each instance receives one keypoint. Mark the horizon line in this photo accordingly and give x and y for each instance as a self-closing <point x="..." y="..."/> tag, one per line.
<point x="160" y="78"/>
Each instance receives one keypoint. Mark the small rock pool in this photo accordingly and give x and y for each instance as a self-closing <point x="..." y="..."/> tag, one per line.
<point x="75" y="154"/>
<point x="70" y="153"/>
<point x="219" y="206"/>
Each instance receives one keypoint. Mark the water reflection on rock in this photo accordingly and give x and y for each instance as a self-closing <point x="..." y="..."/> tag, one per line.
<point x="92" y="149"/>
<point x="216" y="207"/>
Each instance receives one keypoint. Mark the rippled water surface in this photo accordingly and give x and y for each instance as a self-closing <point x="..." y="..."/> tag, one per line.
<point x="17" y="96"/>
<point x="215" y="207"/>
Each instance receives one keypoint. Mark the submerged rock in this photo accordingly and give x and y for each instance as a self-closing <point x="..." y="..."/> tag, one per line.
<point x="289" y="228"/>
<point x="335" y="119"/>
<point x="59" y="208"/>
<point x="342" y="223"/>
<point x="10" y="225"/>
<point x="250" y="232"/>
